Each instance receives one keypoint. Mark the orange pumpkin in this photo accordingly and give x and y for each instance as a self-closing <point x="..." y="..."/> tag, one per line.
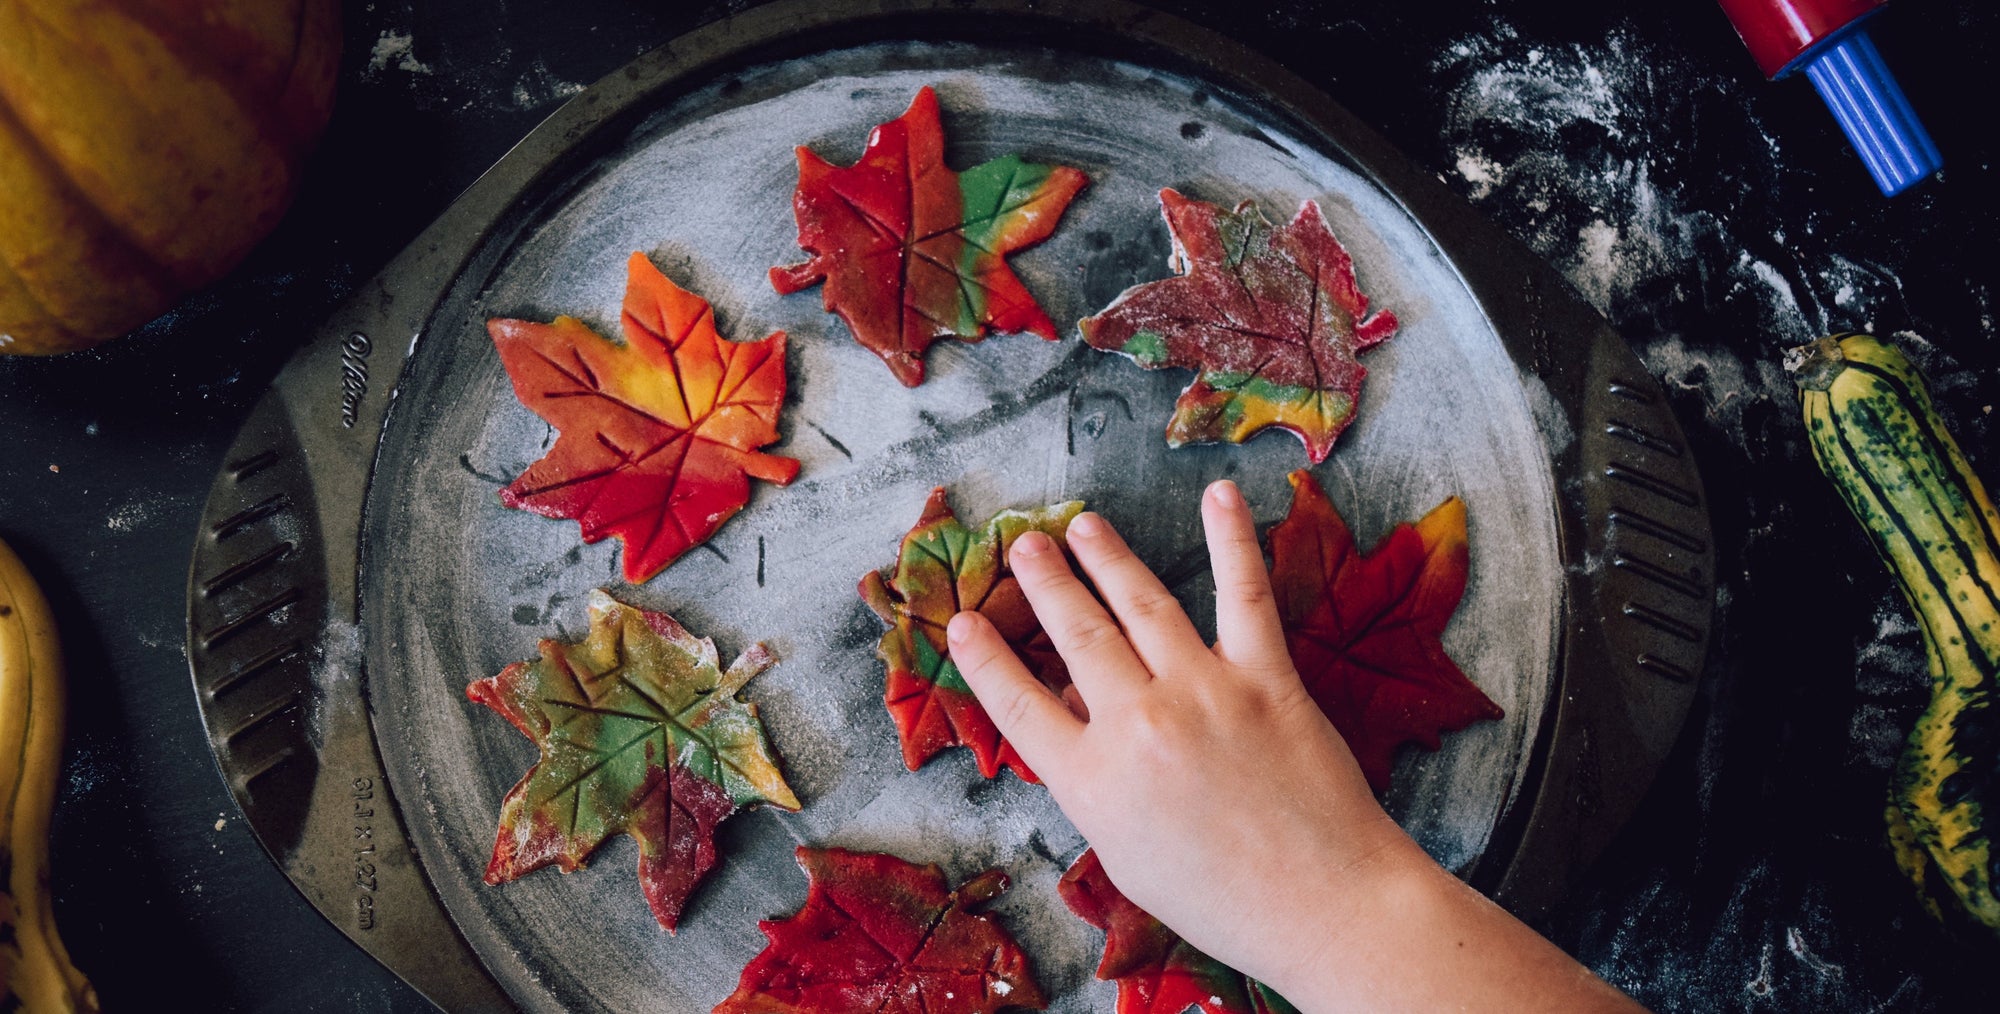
<point x="145" y="147"/>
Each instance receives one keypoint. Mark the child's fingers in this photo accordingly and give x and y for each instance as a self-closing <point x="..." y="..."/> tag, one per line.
<point x="1153" y="619"/>
<point x="1100" y="659"/>
<point x="1073" y="697"/>
<point x="1246" y="614"/>
<point x="1034" y="719"/>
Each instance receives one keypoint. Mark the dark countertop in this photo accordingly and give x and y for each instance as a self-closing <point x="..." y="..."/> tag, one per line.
<point x="1715" y="218"/>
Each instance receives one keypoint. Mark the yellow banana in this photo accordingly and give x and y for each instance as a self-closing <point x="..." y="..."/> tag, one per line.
<point x="34" y="967"/>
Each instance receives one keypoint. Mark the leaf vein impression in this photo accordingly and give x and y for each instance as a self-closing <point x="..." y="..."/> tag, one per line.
<point x="1000" y="211"/>
<point x="965" y="285"/>
<point x="603" y="758"/>
<point x="596" y="390"/>
<point x="586" y="709"/>
<point x="883" y="229"/>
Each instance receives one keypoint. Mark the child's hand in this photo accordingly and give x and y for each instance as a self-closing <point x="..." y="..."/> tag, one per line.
<point x="1219" y="797"/>
<point x="1196" y="766"/>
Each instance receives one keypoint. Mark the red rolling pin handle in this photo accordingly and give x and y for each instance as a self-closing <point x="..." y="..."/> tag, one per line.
<point x="1779" y="31"/>
<point x="1826" y="39"/>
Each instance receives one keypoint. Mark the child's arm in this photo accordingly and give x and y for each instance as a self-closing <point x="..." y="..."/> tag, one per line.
<point x="1221" y="800"/>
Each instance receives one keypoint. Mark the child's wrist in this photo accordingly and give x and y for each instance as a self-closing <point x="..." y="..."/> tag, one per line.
<point x="1385" y="878"/>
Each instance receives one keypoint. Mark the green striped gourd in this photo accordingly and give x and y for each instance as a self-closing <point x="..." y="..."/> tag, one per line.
<point x="1878" y="438"/>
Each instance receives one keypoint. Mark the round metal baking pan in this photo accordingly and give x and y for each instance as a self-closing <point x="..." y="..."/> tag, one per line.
<point x="356" y="569"/>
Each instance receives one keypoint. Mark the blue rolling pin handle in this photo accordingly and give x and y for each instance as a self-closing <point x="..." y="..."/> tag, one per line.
<point x="1870" y="106"/>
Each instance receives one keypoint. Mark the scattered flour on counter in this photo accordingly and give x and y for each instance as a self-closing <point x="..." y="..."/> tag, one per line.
<point x="1585" y="153"/>
<point x="1760" y="986"/>
<point x="1575" y="149"/>
<point x="1599" y="266"/>
<point x="1877" y="733"/>
<point x="84" y="770"/>
<point x="1795" y="942"/>
<point x="129" y="518"/>
<point x="1891" y="661"/>
<point x="1943" y="371"/>
<point x="147" y="512"/>
<point x="1482" y="172"/>
<point x="1725" y="382"/>
<point x="1855" y="292"/>
<point x="1784" y="300"/>
<point x="539" y="87"/>
<point x="398" y="50"/>
<point x="1566" y="134"/>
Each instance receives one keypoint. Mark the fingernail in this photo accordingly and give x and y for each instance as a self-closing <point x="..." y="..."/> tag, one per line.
<point x="960" y="627"/>
<point x="1225" y="493"/>
<point x="1033" y="544"/>
<point x="1088" y="525"/>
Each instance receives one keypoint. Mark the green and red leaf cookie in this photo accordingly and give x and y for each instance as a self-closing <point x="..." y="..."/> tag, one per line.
<point x="1364" y="630"/>
<point x="640" y="733"/>
<point x="878" y="935"/>
<point x="1157" y="972"/>
<point x="912" y="252"/>
<point x="945" y="568"/>
<point x="659" y="435"/>
<point x="1270" y="317"/>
